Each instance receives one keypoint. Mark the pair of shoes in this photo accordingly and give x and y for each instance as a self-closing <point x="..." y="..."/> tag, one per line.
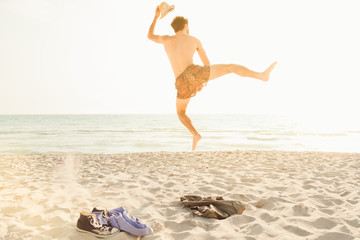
<point x="95" y="224"/>
<point x="119" y="218"/>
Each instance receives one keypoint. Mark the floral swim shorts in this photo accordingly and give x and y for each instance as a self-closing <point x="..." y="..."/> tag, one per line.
<point x="192" y="80"/>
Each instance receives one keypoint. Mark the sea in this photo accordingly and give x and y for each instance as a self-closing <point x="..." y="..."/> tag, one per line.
<point x="127" y="133"/>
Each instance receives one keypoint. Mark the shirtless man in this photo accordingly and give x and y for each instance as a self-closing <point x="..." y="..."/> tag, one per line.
<point x="180" y="49"/>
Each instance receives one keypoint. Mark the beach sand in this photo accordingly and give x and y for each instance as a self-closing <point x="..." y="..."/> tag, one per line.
<point x="288" y="195"/>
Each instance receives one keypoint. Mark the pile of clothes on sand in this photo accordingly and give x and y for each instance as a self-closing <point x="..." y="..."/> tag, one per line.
<point x="209" y="207"/>
<point x="104" y="223"/>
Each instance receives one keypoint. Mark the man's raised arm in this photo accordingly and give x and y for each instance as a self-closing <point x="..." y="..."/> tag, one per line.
<point x="151" y="35"/>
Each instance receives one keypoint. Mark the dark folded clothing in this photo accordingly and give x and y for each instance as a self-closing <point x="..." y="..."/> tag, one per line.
<point x="212" y="208"/>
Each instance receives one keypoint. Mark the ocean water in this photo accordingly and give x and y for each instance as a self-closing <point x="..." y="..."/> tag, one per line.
<point x="149" y="133"/>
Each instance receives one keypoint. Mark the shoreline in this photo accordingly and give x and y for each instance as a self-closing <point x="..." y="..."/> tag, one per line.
<point x="287" y="194"/>
<point x="179" y="152"/>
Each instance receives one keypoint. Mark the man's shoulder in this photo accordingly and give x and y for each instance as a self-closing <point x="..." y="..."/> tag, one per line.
<point x="196" y="41"/>
<point x="194" y="38"/>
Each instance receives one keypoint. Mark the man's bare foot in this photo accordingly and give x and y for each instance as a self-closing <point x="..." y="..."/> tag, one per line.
<point x="196" y="139"/>
<point x="266" y="73"/>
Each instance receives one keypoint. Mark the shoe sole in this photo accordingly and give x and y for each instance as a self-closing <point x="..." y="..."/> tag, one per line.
<point x="97" y="235"/>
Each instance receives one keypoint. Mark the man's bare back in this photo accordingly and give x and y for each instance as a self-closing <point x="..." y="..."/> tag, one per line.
<point x="180" y="49"/>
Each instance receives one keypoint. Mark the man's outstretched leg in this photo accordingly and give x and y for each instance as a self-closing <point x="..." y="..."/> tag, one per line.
<point x="181" y="105"/>
<point x="219" y="70"/>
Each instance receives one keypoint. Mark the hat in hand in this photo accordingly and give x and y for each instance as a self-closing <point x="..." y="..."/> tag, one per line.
<point x="165" y="9"/>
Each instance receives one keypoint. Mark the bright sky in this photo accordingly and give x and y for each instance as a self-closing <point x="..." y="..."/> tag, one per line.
<point x="93" y="56"/>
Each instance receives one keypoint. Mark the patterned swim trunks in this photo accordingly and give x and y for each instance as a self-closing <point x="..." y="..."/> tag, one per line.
<point x="191" y="81"/>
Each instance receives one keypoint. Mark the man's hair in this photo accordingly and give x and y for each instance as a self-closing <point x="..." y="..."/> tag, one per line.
<point x="178" y="23"/>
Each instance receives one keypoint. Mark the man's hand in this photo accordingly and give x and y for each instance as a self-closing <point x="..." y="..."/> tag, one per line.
<point x="157" y="12"/>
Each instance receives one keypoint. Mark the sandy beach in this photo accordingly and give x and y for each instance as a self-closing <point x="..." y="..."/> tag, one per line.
<point x="288" y="195"/>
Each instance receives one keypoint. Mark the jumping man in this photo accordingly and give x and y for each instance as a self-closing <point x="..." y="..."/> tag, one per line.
<point x="180" y="49"/>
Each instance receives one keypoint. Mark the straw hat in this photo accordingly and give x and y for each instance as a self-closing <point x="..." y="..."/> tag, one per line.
<point x="165" y="9"/>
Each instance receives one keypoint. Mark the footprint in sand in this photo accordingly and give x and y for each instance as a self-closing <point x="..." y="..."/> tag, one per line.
<point x="255" y="229"/>
<point x="170" y="184"/>
<point x="268" y="218"/>
<point x="354" y="223"/>
<point x="335" y="235"/>
<point x="297" y="231"/>
<point x="323" y="223"/>
<point x="239" y="220"/>
<point x="301" y="210"/>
